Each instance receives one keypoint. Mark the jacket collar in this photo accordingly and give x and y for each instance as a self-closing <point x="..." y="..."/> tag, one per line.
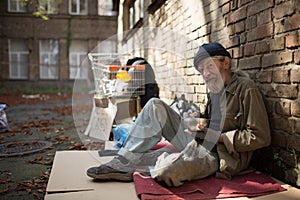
<point x="232" y="85"/>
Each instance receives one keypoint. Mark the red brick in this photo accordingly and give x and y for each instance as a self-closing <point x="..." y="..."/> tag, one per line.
<point x="297" y="126"/>
<point x="281" y="76"/>
<point x="251" y="22"/>
<point x="243" y="2"/>
<point x="277" y="43"/>
<point x="293" y="142"/>
<point x="293" y="40"/>
<point x="222" y="2"/>
<point x="237" y="15"/>
<point x="260" y="32"/>
<point x="249" y="49"/>
<point x="280" y="123"/>
<point x="295" y="108"/>
<point x="265" y="76"/>
<point x="297" y="57"/>
<point x="249" y="63"/>
<point x="295" y="75"/>
<point x="284" y="91"/>
<point x="233" y="42"/>
<point x="239" y="27"/>
<point x="287" y="24"/>
<point x="283" y="108"/>
<point x="277" y="59"/>
<point x="237" y="52"/>
<point x="226" y="8"/>
<point x="264" y="17"/>
<point x="258" y="6"/>
<point x="262" y="47"/>
<point x="283" y="9"/>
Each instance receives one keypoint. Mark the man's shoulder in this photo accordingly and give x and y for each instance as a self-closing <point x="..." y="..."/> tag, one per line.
<point x="245" y="81"/>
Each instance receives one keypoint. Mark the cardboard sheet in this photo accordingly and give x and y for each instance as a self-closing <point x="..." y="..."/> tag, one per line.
<point x="68" y="178"/>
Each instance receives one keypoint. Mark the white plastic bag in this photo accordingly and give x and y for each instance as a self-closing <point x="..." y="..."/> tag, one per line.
<point x="3" y="119"/>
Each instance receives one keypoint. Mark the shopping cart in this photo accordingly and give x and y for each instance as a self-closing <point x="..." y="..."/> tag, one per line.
<point x="113" y="79"/>
<point x="114" y="83"/>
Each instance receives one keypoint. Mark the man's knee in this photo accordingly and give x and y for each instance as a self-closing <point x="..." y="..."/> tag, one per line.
<point x="154" y="101"/>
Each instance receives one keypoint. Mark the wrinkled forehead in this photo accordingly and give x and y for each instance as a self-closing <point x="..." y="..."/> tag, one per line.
<point x="206" y="61"/>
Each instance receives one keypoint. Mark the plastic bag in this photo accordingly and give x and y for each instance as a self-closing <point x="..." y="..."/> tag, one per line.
<point x="120" y="134"/>
<point x="3" y="119"/>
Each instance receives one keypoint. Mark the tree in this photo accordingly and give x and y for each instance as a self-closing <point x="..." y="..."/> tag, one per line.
<point x="43" y="7"/>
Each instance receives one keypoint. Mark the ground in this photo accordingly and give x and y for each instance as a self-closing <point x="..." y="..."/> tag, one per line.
<point x="39" y="117"/>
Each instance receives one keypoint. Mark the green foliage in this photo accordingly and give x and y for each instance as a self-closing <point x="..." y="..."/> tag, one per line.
<point x="279" y="161"/>
<point x="41" y="15"/>
<point x="41" y="10"/>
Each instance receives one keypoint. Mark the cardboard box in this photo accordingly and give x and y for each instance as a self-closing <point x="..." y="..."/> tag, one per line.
<point x="126" y="110"/>
<point x="68" y="180"/>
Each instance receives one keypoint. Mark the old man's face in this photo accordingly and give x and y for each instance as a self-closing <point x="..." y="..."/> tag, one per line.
<point x="211" y="69"/>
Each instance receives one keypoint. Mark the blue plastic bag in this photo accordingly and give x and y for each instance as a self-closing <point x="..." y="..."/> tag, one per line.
<point x="120" y="134"/>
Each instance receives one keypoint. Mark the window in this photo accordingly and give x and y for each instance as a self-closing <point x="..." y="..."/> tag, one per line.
<point x="16" y="6"/>
<point x="78" y="7"/>
<point x="78" y="52"/>
<point x="49" y="59"/>
<point x="133" y="14"/>
<point x="49" y="6"/>
<point x="155" y="5"/>
<point x="105" y="7"/>
<point x="136" y="12"/>
<point x="18" y="59"/>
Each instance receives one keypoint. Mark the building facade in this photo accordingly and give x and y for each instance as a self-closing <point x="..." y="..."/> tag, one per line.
<point x="263" y="38"/>
<point x="36" y="50"/>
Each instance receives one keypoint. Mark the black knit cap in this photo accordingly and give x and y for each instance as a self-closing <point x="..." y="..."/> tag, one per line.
<point x="209" y="50"/>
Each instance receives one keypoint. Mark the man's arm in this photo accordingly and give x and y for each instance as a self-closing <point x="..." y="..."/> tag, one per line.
<point x="256" y="133"/>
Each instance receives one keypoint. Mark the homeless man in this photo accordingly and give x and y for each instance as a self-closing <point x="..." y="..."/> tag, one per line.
<point x="238" y="125"/>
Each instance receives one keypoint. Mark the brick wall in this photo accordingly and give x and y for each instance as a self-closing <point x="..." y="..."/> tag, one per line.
<point x="263" y="38"/>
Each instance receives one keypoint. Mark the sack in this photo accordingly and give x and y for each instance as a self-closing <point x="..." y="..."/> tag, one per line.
<point x="120" y="133"/>
<point x="185" y="108"/>
<point x="3" y="119"/>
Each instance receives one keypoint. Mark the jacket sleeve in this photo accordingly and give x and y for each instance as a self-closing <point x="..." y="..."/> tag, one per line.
<point x="255" y="133"/>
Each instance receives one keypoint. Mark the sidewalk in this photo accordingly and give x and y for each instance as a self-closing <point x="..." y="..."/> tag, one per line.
<point x="39" y="118"/>
<point x="50" y="119"/>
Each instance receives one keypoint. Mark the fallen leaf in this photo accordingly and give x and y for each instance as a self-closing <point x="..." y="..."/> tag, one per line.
<point x="5" y="190"/>
<point x="36" y="196"/>
<point x="35" y="160"/>
<point x="41" y="190"/>
<point x="5" y="181"/>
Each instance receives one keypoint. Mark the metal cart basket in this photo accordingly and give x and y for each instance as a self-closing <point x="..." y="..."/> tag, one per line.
<point x="115" y="80"/>
<point x="114" y="83"/>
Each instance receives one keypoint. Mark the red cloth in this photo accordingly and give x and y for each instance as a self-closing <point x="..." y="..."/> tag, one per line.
<point x="251" y="184"/>
<point x="164" y="144"/>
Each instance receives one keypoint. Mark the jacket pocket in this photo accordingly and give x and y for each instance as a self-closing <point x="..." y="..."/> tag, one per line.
<point x="233" y="121"/>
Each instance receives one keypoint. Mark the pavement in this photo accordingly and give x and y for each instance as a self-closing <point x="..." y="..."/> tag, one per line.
<point x="42" y="117"/>
<point x="57" y="118"/>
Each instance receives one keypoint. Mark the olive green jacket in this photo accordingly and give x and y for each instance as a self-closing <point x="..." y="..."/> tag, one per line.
<point x="245" y="126"/>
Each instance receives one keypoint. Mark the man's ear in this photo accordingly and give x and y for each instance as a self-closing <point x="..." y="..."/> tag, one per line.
<point x="226" y="63"/>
